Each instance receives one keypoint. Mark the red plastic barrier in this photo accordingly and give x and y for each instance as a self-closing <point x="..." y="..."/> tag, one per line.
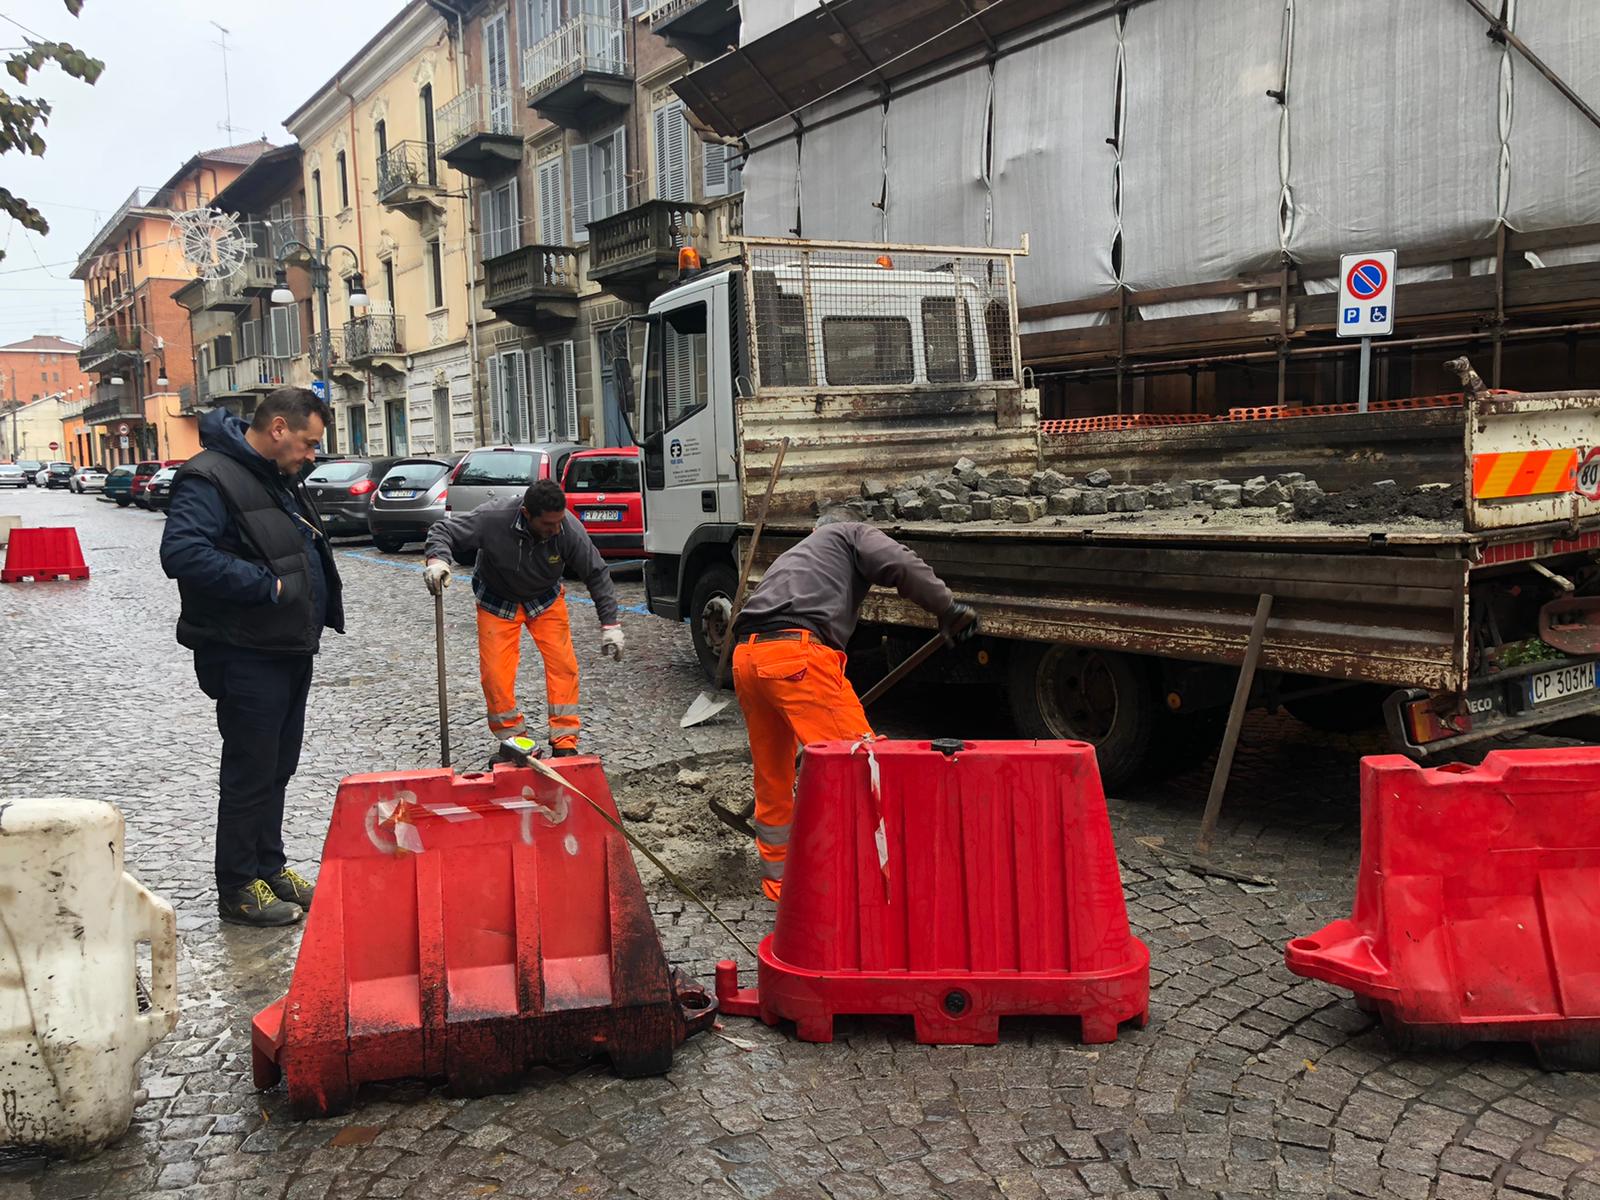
<point x="999" y="895"/>
<point x="470" y="928"/>
<point x="1477" y="910"/>
<point x="43" y="554"/>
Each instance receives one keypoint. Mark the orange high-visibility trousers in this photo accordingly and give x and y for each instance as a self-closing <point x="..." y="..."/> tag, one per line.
<point x="500" y="652"/>
<point x="792" y="692"/>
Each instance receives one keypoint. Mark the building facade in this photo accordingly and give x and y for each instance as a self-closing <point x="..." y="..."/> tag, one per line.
<point x="586" y="182"/>
<point x="42" y="365"/>
<point x="32" y="430"/>
<point x="145" y="403"/>
<point x="403" y="364"/>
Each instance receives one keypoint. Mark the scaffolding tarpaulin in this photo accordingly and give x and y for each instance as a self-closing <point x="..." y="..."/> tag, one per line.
<point x="1055" y="104"/>
<point x="771" y="175"/>
<point x="757" y="17"/>
<point x="1200" y="172"/>
<point x="841" y="165"/>
<point x="1555" y="150"/>
<point x="938" y="159"/>
<point x="1394" y="132"/>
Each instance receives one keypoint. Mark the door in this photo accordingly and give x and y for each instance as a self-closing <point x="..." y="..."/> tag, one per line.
<point x="497" y="73"/>
<point x="356" y="414"/>
<point x="395" y="426"/>
<point x="681" y="454"/>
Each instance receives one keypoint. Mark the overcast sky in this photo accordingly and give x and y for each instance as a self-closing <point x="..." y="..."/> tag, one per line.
<point x="159" y="101"/>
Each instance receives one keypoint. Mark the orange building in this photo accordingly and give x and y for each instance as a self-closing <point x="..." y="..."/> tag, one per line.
<point x="143" y="403"/>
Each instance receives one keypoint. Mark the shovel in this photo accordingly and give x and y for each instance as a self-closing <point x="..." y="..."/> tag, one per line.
<point x="739" y="818"/>
<point x="708" y="704"/>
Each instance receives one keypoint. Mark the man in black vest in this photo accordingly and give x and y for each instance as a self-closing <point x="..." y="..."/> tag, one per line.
<point x="258" y="584"/>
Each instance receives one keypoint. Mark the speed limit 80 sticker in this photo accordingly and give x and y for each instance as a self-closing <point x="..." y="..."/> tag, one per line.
<point x="1588" y="477"/>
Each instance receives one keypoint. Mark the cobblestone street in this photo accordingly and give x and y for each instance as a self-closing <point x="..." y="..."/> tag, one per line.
<point x="1247" y="1082"/>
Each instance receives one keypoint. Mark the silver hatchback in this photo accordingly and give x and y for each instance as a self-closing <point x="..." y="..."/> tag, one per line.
<point x="501" y="473"/>
<point x="409" y="499"/>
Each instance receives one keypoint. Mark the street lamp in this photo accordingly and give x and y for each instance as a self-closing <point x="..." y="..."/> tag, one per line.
<point x="319" y="283"/>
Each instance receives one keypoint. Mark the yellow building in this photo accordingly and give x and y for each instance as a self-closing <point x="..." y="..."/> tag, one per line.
<point x="404" y="377"/>
<point x="33" y="430"/>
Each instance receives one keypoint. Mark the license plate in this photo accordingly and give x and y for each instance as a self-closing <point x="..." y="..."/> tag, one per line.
<point x="1561" y="683"/>
<point x="400" y="495"/>
<point x="602" y="514"/>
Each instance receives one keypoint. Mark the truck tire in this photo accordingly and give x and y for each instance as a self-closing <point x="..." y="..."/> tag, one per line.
<point x="1088" y="695"/>
<point x="710" y="602"/>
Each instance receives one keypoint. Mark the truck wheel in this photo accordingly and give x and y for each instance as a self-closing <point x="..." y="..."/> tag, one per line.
<point x="1086" y="695"/>
<point x="1349" y="710"/>
<point x="710" y="606"/>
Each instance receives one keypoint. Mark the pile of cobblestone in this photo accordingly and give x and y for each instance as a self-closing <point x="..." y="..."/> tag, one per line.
<point x="969" y="494"/>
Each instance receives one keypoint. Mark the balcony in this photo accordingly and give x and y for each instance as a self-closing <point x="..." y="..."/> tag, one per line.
<point x="261" y="373"/>
<point x="477" y="132"/>
<point x="376" y="341"/>
<point x="116" y="404"/>
<point x="635" y="252"/>
<point x="698" y="29"/>
<point x="580" y="70"/>
<point x="408" y="180"/>
<point x="219" y="382"/>
<point x="105" y="347"/>
<point x="535" y="286"/>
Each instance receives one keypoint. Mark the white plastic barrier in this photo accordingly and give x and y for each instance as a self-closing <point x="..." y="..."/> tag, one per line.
<point x="71" y="1033"/>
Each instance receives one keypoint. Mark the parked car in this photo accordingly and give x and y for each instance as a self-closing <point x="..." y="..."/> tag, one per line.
<point x="30" y="470"/>
<point x="87" y="479"/>
<point x="143" y="473"/>
<point x="58" y="475"/>
<point x="603" y="491"/>
<point x="342" y="491"/>
<point x="410" y="498"/>
<point x="158" y="492"/>
<point x="13" y="476"/>
<point x="119" y="485"/>
<point x="498" y="473"/>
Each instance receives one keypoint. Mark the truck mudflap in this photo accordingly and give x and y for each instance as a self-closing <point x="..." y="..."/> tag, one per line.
<point x="1424" y="724"/>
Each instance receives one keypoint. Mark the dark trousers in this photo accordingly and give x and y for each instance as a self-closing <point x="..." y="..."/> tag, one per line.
<point x="261" y="713"/>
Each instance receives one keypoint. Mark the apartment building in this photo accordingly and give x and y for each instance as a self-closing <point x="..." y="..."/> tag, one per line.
<point x="144" y="403"/>
<point x="393" y="230"/>
<point x="587" y="181"/>
<point x="39" y="366"/>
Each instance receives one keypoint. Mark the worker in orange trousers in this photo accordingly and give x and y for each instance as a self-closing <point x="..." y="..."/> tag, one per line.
<point x="789" y="658"/>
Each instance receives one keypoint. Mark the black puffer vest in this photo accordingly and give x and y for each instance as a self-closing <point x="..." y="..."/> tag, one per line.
<point x="266" y="535"/>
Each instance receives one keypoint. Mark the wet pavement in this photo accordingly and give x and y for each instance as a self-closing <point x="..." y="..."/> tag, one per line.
<point x="1247" y="1081"/>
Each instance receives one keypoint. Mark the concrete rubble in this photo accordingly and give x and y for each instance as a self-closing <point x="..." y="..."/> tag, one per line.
<point x="970" y="494"/>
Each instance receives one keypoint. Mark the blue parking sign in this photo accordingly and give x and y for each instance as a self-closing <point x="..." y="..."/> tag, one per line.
<point x="1352" y="316"/>
<point x="320" y="389"/>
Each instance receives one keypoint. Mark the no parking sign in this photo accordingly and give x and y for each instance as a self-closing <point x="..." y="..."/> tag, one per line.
<point x="1366" y="294"/>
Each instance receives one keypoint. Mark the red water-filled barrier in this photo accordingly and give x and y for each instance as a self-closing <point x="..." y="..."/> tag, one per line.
<point x="470" y="928"/>
<point x="953" y="883"/>
<point x="49" y="553"/>
<point x="1477" y="910"/>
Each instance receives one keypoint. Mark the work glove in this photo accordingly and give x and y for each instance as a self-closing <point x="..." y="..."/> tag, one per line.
<point x="437" y="576"/>
<point x="958" y="623"/>
<point x="611" y="642"/>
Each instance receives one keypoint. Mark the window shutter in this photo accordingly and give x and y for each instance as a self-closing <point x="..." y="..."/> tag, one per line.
<point x="516" y="400"/>
<point x="619" y="167"/>
<point x="569" y="379"/>
<point x="580" y="195"/>
<point x="511" y="231"/>
<point x="660" y="131"/>
<point x="540" y="402"/>
<point x="250" y="339"/>
<point x="714" y="170"/>
<point x="677" y="153"/>
<point x="550" y="230"/>
<point x="496" y="417"/>
<point x="486" y="224"/>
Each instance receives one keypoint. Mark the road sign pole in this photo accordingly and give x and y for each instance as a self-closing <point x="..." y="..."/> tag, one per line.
<point x="1366" y="375"/>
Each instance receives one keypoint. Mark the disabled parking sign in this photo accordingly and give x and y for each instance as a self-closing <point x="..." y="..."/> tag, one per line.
<point x="1366" y="294"/>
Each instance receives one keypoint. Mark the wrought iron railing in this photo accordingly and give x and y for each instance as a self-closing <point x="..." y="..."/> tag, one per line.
<point x="105" y="343"/>
<point x="587" y="43"/>
<point x="372" y="335"/>
<point x="665" y="10"/>
<point x="530" y="269"/>
<point x="335" y="342"/>
<point x="408" y="164"/>
<point x="477" y="110"/>
<point x="286" y="232"/>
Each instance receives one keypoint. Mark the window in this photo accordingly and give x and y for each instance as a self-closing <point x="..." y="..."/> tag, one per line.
<point x="436" y="268"/>
<point x="508" y="414"/>
<point x="945" y="344"/>
<point x="672" y="152"/>
<point x="344" y="183"/>
<point x="867" y="350"/>
<point x="249" y="339"/>
<point x="430" y="146"/>
<point x="339" y="472"/>
<point x="603" y="473"/>
<point x="540" y="18"/>
<point x="388" y="282"/>
<point x="552" y="211"/>
<point x="497" y="73"/>
<point x="487" y="467"/>
<point x="380" y="135"/>
<point x="138" y="246"/>
<point x="599" y="181"/>
<point x="502" y="219"/>
<point x="559" y="412"/>
<point x="722" y="170"/>
<point x="316" y="190"/>
<point x="284" y="331"/>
